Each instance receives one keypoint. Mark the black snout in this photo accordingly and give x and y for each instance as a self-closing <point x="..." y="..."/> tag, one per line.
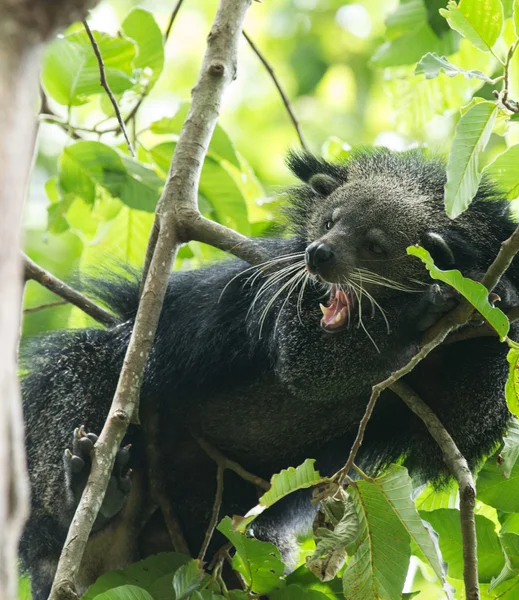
<point x="319" y="255"/>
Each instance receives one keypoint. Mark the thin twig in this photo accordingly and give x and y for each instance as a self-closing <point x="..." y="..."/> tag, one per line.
<point x="458" y="467"/>
<point x="221" y="460"/>
<point x="284" y="97"/>
<point x="215" y="512"/>
<point x="104" y="84"/>
<point x="34" y="309"/>
<point x="172" y="20"/>
<point x="43" y="277"/>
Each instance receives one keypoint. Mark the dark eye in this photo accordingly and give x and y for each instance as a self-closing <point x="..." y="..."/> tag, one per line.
<point x="328" y="225"/>
<point x="374" y="248"/>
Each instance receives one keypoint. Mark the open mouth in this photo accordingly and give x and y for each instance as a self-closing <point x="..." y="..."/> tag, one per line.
<point x="337" y="312"/>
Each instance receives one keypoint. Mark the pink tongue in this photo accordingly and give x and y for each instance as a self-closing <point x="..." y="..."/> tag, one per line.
<point x="336" y="313"/>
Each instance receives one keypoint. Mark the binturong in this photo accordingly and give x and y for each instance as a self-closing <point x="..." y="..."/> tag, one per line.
<point x="274" y="364"/>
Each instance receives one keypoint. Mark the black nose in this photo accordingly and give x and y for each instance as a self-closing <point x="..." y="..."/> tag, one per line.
<point x="318" y="255"/>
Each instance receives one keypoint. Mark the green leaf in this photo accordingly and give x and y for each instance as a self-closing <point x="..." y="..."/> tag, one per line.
<point x="431" y="498"/>
<point x="142" y="574"/>
<point x="473" y="291"/>
<point x="411" y="36"/>
<point x="186" y="580"/>
<point x="379" y="566"/>
<point x="259" y="562"/>
<point x="303" y="578"/>
<point x="446" y="522"/>
<point x="503" y="171"/>
<point x="208" y="595"/>
<point x="497" y="490"/>
<point x="431" y="65"/>
<point x="125" y="592"/>
<point x="216" y="185"/>
<point x="463" y="174"/>
<point x="479" y="21"/>
<point x="220" y="147"/>
<point x="84" y="165"/>
<point x="282" y="484"/>
<point x="295" y="592"/>
<point x="516" y="16"/>
<point x="70" y="71"/>
<point x="141" y="27"/>
<point x="510" y="544"/>
<point x="512" y="383"/>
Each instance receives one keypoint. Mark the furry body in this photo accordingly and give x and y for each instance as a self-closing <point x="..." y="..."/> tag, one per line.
<point x="271" y="388"/>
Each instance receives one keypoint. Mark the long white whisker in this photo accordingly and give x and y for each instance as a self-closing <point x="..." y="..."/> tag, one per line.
<point x="297" y="278"/>
<point x="273" y="299"/>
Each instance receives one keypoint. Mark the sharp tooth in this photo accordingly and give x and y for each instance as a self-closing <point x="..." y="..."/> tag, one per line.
<point x="323" y="308"/>
<point x="338" y="318"/>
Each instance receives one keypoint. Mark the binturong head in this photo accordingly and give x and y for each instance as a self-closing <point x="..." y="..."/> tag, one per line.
<point x="359" y="217"/>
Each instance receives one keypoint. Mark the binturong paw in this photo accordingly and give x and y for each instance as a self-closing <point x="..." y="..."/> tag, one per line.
<point x="78" y="462"/>
<point x="437" y="301"/>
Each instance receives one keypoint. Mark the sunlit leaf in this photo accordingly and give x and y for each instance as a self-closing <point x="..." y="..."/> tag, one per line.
<point x="480" y="21"/>
<point x="125" y="592"/>
<point x="473" y="291"/>
<point x="141" y="27"/>
<point x="431" y="65"/>
<point x="70" y="71"/>
<point x="431" y="498"/>
<point x="463" y="173"/>
<point x="503" y="171"/>
<point x="86" y="164"/>
<point x="512" y="384"/>
<point x="258" y="562"/>
<point x="497" y="489"/>
<point x="516" y="16"/>
<point x="446" y="522"/>
<point x="379" y="566"/>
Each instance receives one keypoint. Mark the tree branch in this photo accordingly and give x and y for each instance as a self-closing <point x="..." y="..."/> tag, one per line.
<point x="221" y="460"/>
<point x="284" y="97"/>
<point x="104" y="84"/>
<point x="43" y="277"/>
<point x="458" y="466"/>
<point x="172" y="19"/>
<point x="178" y="199"/>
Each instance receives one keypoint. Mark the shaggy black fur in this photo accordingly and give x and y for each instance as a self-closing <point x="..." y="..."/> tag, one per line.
<point x="271" y="394"/>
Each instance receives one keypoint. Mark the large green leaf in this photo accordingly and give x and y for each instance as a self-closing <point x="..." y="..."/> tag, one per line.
<point x="216" y="185"/>
<point x="498" y="480"/>
<point x="431" y="65"/>
<point x="220" y="146"/>
<point x="142" y="574"/>
<point x="125" y="592"/>
<point x="304" y="578"/>
<point x="446" y="522"/>
<point x="470" y="139"/>
<point x="258" y="562"/>
<point x="473" y="291"/>
<point x="84" y="165"/>
<point x="186" y="580"/>
<point x="379" y="566"/>
<point x="70" y="71"/>
<point x="431" y="498"/>
<point x="503" y="170"/>
<point x="512" y="383"/>
<point x="295" y="592"/>
<point x="480" y="21"/>
<point x="141" y="27"/>
<point x="283" y="483"/>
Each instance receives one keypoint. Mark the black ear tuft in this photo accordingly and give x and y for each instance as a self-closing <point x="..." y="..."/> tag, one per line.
<point x="323" y="184"/>
<point x="305" y="166"/>
<point x="439" y="249"/>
